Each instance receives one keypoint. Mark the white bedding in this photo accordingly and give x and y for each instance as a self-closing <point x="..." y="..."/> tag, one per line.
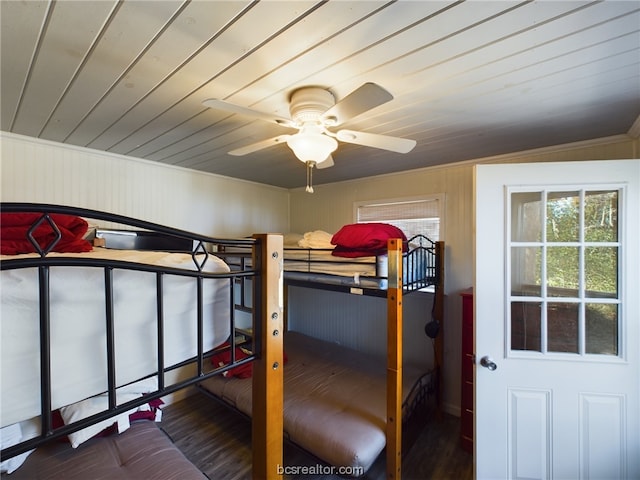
<point x="311" y="253"/>
<point x="78" y="332"/>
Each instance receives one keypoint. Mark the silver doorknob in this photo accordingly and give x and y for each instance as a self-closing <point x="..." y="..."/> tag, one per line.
<point x="486" y="362"/>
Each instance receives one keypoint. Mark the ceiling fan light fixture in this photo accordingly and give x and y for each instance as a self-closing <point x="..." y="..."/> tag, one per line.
<point x="313" y="111"/>
<point x="312" y="146"/>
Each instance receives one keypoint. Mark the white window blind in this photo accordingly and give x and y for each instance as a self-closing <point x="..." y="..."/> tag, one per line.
<point x="413" y="217"/>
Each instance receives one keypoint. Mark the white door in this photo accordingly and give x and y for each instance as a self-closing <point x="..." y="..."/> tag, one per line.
<point x="556" y="293"/>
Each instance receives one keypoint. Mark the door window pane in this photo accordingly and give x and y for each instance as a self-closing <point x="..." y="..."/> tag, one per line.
<point x="526" y="326"/>
<point x="602" y="328"/>
<point x="601" y="272"/>
<point x="526" y="271"/>
<point x="563" y="216"/>
<point x="601" y="216"/>
<point x="563" y="271"/>
<point x="526" y="216"/>
<point x="562" y="327"/>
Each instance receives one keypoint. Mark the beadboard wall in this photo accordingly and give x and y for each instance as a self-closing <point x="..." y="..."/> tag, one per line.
<point x="40" y="171"/>
<point x="361" y="323"/>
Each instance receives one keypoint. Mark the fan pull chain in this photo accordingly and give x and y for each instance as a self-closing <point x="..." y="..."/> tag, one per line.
<point x="310" y="165"/>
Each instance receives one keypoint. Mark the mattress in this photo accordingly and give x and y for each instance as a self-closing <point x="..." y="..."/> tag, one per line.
<point x="142" y="452"/>
<point x="78" y="326"/>
<point x="322" y="261"/>
<point x="334" y="399"/>
<point x="320" y="266"/>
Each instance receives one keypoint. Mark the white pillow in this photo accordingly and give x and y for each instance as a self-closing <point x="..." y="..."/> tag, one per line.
<point x="14" y="434"/>
<point x="316" y="239"/>
<point x="91" y="406"/>
<point x="100" y="403"/>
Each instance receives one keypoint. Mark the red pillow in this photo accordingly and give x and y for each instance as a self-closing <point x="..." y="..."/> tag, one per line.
<point x="361" y="239"/>
<point x="345" y="252"/>
<point x="14" y="228"/>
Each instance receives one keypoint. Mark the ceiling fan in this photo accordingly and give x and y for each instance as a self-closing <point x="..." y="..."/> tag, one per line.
<point x="314" y="111"/>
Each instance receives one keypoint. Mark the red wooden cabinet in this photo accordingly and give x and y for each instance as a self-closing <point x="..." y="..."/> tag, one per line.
<point x="466" y="397"/>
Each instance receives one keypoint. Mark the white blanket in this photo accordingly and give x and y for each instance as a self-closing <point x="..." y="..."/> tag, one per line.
<point x="316" y="239"/>
<point x="78" y="332"/>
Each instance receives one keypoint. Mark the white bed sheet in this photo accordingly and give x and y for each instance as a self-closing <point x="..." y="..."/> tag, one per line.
<point x="78" y="332"/>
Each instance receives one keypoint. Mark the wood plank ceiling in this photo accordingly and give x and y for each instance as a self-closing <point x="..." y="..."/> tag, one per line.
<point x="469" y="79"/>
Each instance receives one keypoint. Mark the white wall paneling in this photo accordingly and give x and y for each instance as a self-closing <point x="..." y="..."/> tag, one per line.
<point x="47" y="172"/>
<point x="360" y="322"/>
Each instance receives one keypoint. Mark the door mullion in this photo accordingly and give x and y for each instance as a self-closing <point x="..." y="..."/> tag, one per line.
<point x="543" y="280"/>
<point x="582" y="332"/>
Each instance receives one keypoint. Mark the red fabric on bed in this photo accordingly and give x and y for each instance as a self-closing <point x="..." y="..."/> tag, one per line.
<point x="224" y="358"/>
<point x="14" y="228"/>
<point x="365" y="239"/>
<point x="345" y="252"/>
<point x="242" y="371"/>
<point x="150" y="414"/>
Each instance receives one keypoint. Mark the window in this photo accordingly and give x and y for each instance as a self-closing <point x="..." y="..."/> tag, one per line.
<point x="413" y="216"/>
<point x="564" y="270"/>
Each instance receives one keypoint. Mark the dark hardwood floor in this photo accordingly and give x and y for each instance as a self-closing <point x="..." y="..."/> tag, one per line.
<point x="218" y="441"/>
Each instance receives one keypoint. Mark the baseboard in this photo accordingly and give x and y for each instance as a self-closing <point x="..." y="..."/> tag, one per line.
<point x="451" y="409"/>
<point x="175" y="376"/>
<point x="179" y="395"/>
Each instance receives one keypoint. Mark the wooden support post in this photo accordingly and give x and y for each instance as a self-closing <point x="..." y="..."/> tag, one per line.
<point x="438" y="313"/>
<point x="394" y="360"/>
<point x="268" y="379"/>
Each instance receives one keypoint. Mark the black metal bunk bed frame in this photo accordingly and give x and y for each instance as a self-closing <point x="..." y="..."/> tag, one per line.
<point x="420" y="267"/>
<point x="267" y="348"/>
<point x="409" y="270"/>
<point x="411" y="266"/>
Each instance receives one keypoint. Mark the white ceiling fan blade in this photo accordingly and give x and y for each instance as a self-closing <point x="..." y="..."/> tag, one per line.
<point x="254" y="147"/>
<point x="385" y="142"/>
<point x="365" y="97"/>
<point x="326" y="163"/>
<point x="232" y="108"/>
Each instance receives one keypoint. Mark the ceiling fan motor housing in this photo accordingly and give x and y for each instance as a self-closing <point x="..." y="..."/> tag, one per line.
<point x="309" y="103"/>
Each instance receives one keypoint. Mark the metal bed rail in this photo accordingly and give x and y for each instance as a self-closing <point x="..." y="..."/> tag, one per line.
<point x="43" y="263"/>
